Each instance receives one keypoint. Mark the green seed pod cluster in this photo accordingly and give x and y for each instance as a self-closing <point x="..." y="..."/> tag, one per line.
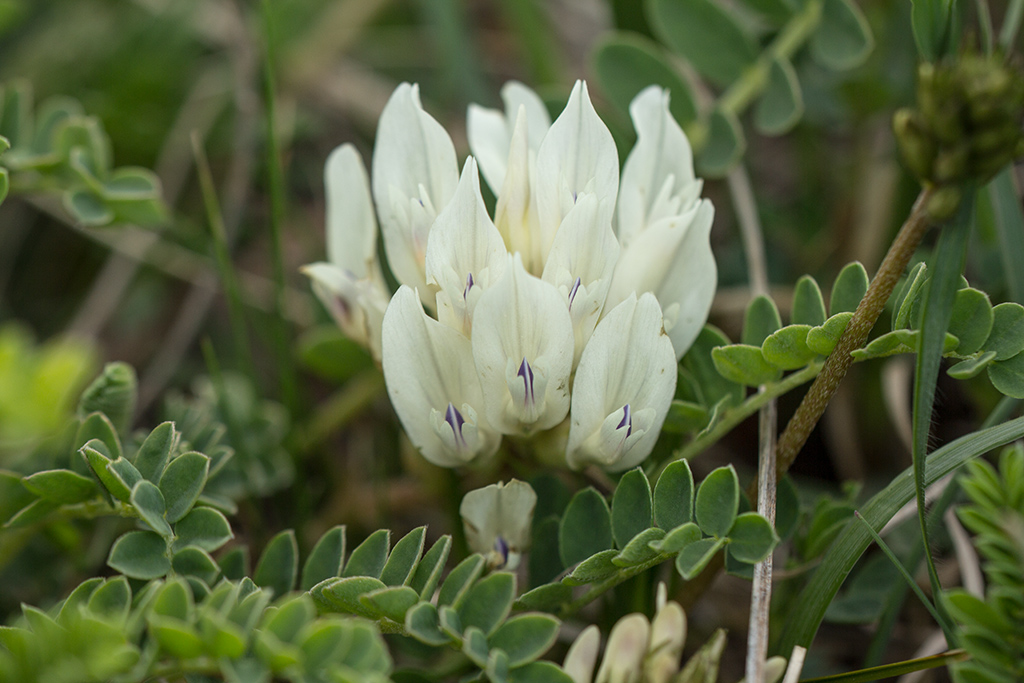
<point x="965" y="127"/>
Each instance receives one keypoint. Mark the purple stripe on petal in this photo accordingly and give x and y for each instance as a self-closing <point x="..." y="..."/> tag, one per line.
<point x="627" y="421"/>
<point x="526" y="372"/>
<point x="572" y="292"/>
<point x="454" y="418"/>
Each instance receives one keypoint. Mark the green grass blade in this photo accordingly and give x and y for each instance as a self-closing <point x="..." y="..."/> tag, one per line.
<point x="809" y="609"/>
<point x="1011" y="23"/>
<point x="877" y="673"/>
<point x="945" y="268"/>
<point x="1001" y="194"/>
<point x="275" y="182"/>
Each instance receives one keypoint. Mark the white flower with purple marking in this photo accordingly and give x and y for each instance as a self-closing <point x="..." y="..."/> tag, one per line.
<point x="497" y="520"/>
<point x="573" y="303"/>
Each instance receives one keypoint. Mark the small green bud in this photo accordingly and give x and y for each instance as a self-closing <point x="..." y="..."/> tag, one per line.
<point x="951" y="163"/>
<point x="915" y="143"/>
<point x="944" y="203"/>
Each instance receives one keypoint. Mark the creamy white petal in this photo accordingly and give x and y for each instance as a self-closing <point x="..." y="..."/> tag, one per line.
<point x="623" y="387"/>
<point x="577" y="155"/>
<point x="351" y="223"/>
<point x="657" y="178"/>
<point x="433" y="385"/>
<point x="581" y="264"/>
<point x="516" y="212"/>
<point x="673" y="259"/>
<point x="582" y="655"/>
<point x="414" y="176"/>
<point x="523" y="349"/>
<point x="356" y="305"/>
<point x="498" y="519"/>
<point x="627" y="647"/>
<point x="465" y="252"/>
<point x="490" y="131"/>
<point x="668" y="634"/>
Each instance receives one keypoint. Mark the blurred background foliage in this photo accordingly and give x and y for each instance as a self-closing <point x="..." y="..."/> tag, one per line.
<point x="158" y="74"/>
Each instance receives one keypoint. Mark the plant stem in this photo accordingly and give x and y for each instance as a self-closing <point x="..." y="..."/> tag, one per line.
<point x="599" y="589"/>
<point x="856" y="333"/>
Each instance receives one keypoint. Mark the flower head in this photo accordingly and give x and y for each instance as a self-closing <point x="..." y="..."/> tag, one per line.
<point x="497" y="521"/>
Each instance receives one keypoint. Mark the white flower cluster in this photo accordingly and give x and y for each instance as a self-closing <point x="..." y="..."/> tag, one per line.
<point x="576" y="299"/>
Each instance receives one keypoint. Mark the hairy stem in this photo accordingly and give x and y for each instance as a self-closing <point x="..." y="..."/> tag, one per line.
<point x="856" y="333"/>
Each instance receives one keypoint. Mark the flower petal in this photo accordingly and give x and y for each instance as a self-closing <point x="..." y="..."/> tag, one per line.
<point x="657" y="178"/>
<point x="626" y="649"/>
<point x="490" y="131"/>
<point x="465" y="252"/>
<point x="498" y="519"/>
<point x="356" y="305"/>
<point x="351" y="223"/>
<point x="429" y="373"/>
<point x="516" y="212"/>
<point x="577" y="155"/>
<point x="582" y="655"/>
<point x="623" y="387"/>
<point x="581" y="264"/>
<point x="414" y="176"/>
<point x="523" y="349"/>
<point x="673" y="259"/>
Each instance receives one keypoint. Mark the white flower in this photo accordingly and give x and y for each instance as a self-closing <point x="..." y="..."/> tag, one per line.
<point x="351" y="285"/>
<point x="623" y="387"/>
<point x="497" y="520"/>
<point x="429" y="373"/>
<point x="490" y="131"/>
<point x="465" y="253"/>
<point x="415" y="173"/>
<point x="523" y="348"/>
<point x="664" y="230"/>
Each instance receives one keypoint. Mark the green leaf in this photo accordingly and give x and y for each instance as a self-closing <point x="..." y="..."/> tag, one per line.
<point x="684" y="417"/>
<point x="808" y="304"/>
<point x="849" y="288"/>
<point x="639" y="549"/>
<point x="546" y="598"/>
<point x="760" y="320"/>
<point x="586" y="527"/>
<point x="279" y="564"/>
<point x="971" y="367"/>
<point x="724" y="146"/>
<point x="694" y="557"/>
<point x="192" y="561"/>
<point x="176" y="637"/>
<point x="631" y="507"/>
<point x="673" y="496"/>
<point x="31" y="513"/>
<point x="678" y="538"/>
<point x="97" y="426"/>
<point x="328" y="353"/>
<point x="114" y="393"/>
<point x="62" y="487"/>
<point x="448" y="620"/>
<point x="287" y="620"/>
<point x="369" y="556"/>
<point x="428" y="571"/>
<point x="132" y="182"/>
<point x="140" y="555"/>
<point x="843" y="39"/>
<point x="626" y="63"/>
<point x="402" y="561"/>
<point x="112" y="600"/>
<point x="594" y="568"/>
<point x="787" y="508"/>
<point x="155" y="451"/>
<point x="1008" y="219"/>
<point x="149" y="503"/>
<point x="221" y="637"/>
<point x="182" y="482"/>
<point x="393" y="601"/>
<point x="422" y="624"/>
<point x="1008" y="376"/>
<point x="488" y="602"/>
<point x="932" y="22"/>
<point x="713" y="388"/>
<point x="13" y="495"/>
<point x="525" y="637"/>
<point x="78" y="599"/>
<point x="782" y="103"/>
<point x="787" y="349"/>
<point x="204" y="528"/>
<point x="823" y="339"/>
<point x="5" y="184"/>
<point x="459" y="580"/>
<point x="122" y="478"/>
<point x="1007" y="336"/>
<point x="751" y="538"/>
<point x="810" y="605"/>
<point x="326" y="559"/>
<point x="234" y="563"/>
<point x="744" y="364"/>
<point x="706" y="34"/>
<point x="899" y="341"/>
<point x="87" y="208"/>
<point x="908" y="298"/>
<point x="971" y="320"/>
<point x="344" y="595"/>
<point x="716" y="502"/>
